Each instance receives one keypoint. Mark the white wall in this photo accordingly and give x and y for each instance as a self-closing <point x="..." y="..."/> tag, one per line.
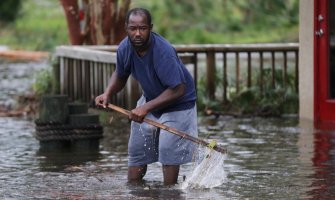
<point x="306" y="61"/>
<point x="306" y="81"/>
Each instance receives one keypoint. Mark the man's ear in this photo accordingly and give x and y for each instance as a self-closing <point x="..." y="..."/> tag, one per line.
<point x="151" y="26"/>
<point x="125" y="26"/>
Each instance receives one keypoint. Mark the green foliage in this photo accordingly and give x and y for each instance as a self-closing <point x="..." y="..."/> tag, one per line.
<point x="203" y="101"/>
<point x="9" y="10"/>
<point x="222" y="21"/>
<point x="282" y="99"/>
<point x="271" y="101"/>
<point x="42" y="26"/>
<point x="245" y="101"/>
<point x="43" y="82"/>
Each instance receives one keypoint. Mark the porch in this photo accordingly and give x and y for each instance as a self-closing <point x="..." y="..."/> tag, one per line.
<point x="83" y="71"/>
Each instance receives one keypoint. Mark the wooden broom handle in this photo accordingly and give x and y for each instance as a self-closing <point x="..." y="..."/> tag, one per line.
<point x="169" y="129"/>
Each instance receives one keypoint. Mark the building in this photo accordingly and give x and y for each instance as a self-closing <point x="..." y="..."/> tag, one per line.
<point x="317" y="62"/>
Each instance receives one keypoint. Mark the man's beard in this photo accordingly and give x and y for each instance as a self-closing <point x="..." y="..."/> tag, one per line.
<point x="140" y="44"/>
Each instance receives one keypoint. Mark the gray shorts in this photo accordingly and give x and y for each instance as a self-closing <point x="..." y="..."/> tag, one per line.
<point x="148" y="144"/>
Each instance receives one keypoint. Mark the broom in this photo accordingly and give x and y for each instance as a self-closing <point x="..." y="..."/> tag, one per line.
<point x="212" y="145"/>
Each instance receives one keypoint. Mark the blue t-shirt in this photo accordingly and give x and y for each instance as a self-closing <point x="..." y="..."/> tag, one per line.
<point x="160" y="68"/>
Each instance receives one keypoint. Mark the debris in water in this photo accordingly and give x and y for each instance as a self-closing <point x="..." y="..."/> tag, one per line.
<point x="212" y="144"/>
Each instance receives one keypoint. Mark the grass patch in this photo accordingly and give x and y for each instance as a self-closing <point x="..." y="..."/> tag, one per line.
<point x="40" y="26"/>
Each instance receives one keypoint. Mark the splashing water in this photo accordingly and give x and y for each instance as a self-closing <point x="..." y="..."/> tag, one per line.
<point x="209" y="173"/>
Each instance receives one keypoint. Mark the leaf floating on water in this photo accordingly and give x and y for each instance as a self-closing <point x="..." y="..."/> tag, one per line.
<point x="212" y="144"/>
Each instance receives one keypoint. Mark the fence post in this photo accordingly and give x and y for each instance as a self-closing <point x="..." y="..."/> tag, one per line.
<point x="210" y="59"/>
<point x="237" y="65"/>
<point x="56" y="76"/>
<point x="296" y="72"/>
<point x="249" y="70"/>
<point x="225" y="77"/>
<point x="261" y="67"/>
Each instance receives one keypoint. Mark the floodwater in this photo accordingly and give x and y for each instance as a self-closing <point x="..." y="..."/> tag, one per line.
<point x="272" y="158"/>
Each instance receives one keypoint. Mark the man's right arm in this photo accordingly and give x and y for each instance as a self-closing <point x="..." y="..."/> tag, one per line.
<point x="116" y="84"/>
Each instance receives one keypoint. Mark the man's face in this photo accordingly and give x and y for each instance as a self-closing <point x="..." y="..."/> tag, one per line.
<point x="138" y="30"/>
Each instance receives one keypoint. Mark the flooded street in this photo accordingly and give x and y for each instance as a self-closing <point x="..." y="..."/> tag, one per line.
<point x="273" y="158"/>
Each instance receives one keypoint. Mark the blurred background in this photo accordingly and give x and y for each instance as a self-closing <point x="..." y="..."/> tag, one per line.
<point x="41" y="24"/>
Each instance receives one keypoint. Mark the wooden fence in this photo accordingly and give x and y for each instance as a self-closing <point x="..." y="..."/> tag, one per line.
<point x="83" y="71"/>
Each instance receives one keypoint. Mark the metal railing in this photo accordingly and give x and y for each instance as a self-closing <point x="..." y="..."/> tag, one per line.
<point x="84" y="71"/>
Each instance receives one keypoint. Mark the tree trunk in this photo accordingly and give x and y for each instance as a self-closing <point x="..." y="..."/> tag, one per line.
<point x="95" y="22"/>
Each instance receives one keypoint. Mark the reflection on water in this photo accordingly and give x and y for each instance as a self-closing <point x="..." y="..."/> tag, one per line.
<point x="267" y="159"/>
<point x="57" y="156"/>
<point x="276" y="158"/>
<point x="324" y="163"/>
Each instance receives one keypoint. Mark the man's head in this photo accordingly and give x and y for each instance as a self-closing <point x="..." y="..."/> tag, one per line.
<point x="138" y="27"/>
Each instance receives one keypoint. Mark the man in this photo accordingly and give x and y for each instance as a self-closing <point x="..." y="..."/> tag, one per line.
<point x="168" y="97"/>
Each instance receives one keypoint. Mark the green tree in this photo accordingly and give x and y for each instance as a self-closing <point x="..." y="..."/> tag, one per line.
<point x="93" y="22"/>
<point x="9" y="10"/>
<point x="217" y="21"/>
